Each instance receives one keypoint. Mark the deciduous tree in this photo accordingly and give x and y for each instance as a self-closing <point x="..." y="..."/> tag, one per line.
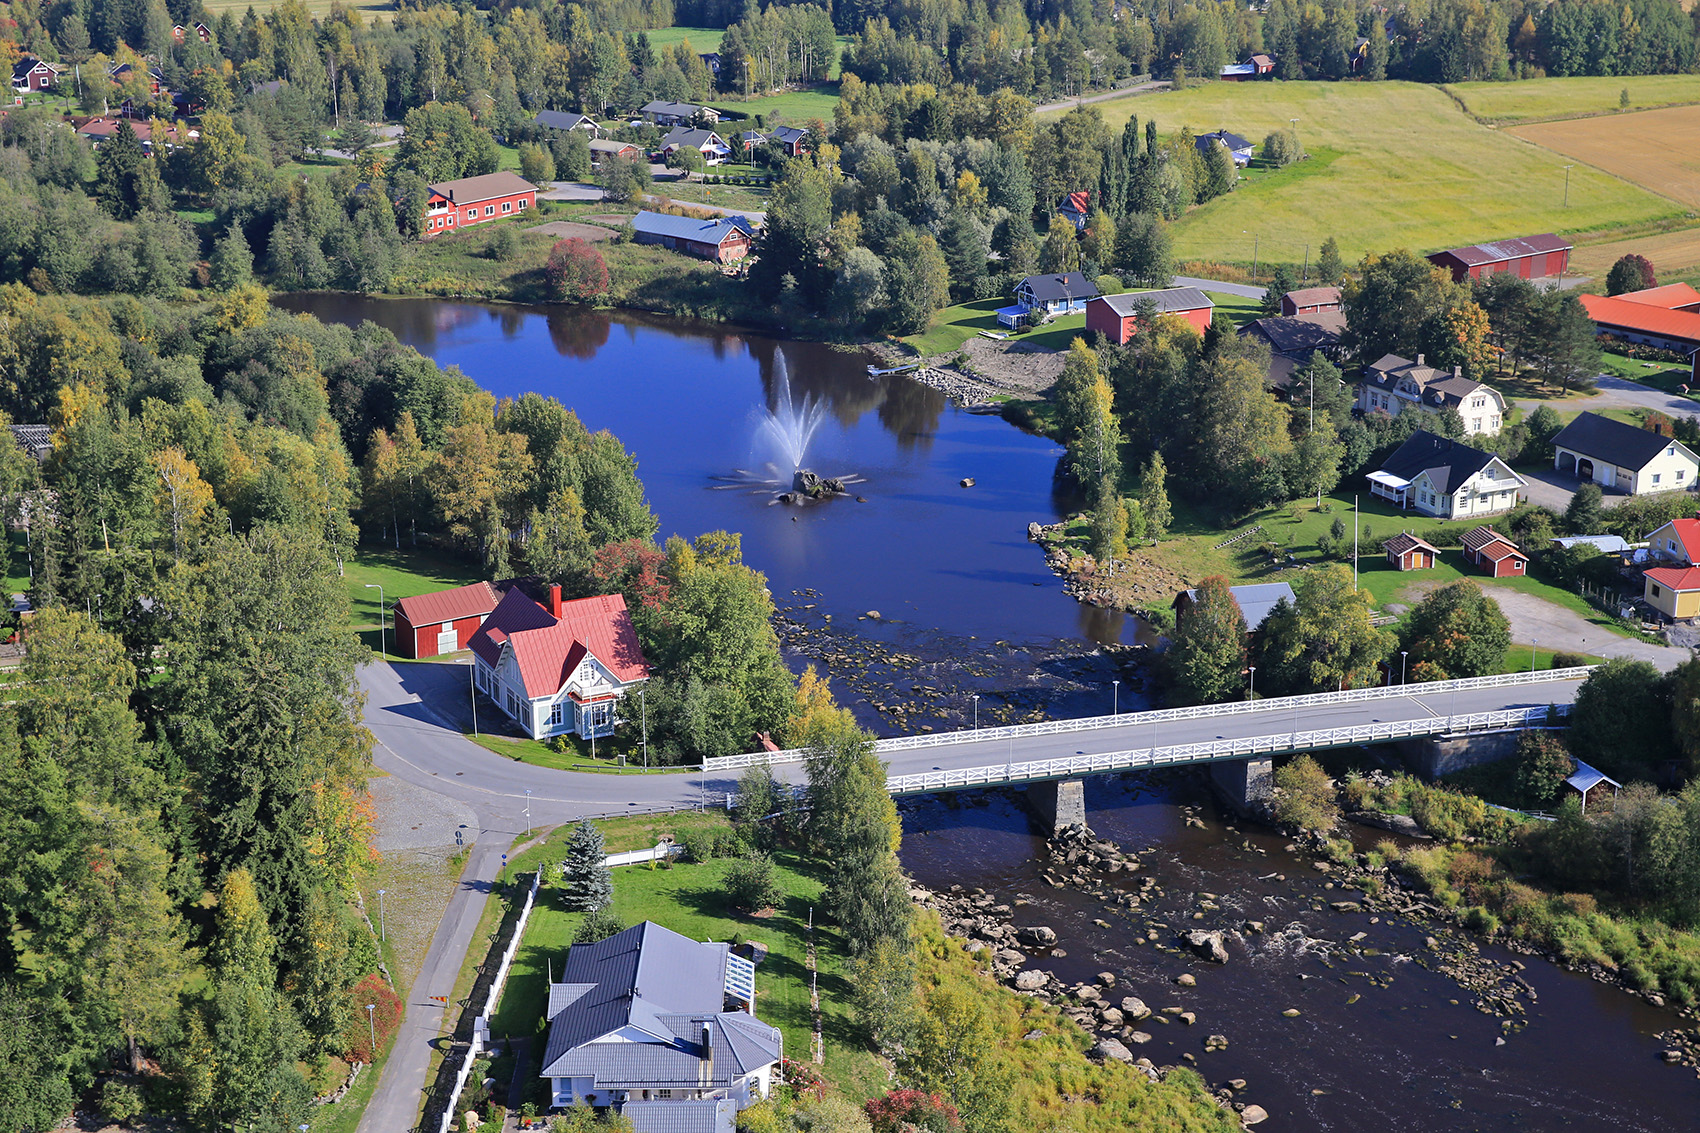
<point x="1208" y="656"/>
<point x="1458" y="629"/>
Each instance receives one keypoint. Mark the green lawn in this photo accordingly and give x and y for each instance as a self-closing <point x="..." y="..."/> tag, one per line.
<point x="402" y="574"/>
<point x="705" y="41"/>
<point x="690" y="899"/>
<point x="792" y="108"/>
<point x="1571" y="98"/>
<point x="953" y="326"/>
<point x="577" y="757"/>
<point x="750" y="197"/>
<point x="1397" y="165"/>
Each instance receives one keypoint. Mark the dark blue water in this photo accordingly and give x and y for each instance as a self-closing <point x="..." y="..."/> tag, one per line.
<point x="686" y="399"/>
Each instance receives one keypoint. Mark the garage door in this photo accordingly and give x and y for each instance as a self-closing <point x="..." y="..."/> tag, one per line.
<point x="446" y="638"/>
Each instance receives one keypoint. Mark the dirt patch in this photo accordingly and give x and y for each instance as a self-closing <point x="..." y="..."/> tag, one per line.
<point x="1014" y="367"/>
<point x="1668" y="252"/>
<point x="1656" y="149"/>
<point x="416" y="837"/>
<point x="566" y="229"/>
<point x="618" y="220"/>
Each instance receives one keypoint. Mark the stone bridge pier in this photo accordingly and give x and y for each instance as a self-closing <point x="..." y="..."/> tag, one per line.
<point x="1059" y="803"/>
<point x="1244" y="782"/>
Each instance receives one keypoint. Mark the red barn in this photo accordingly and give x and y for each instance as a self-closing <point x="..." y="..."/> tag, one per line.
<point x="473" y="200"/>
<point x="428" y="625"/>
<point x="1116" y="317"/>
<point x="1310" y="301"/>
<point x="1532" y="257"/>
<point x="1491" y="551"/>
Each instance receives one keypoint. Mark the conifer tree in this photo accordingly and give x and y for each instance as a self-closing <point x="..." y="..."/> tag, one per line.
<point x="586" y="881"/>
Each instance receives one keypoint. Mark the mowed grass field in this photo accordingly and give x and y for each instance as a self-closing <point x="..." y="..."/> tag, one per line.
<point x="793" y="108"/>
<point x="1534" y="99"/>
<point x="1655" y="149"/>
<point x="1406" y="168"/>
<point x="1672" y="254"/>
<point x="318" y="9"/>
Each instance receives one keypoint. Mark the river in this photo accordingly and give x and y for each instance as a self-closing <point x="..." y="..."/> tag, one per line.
<point x="957" y="586"/>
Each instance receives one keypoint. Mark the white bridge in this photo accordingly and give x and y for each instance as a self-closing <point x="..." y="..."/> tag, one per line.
<point x="1239" y="730"/>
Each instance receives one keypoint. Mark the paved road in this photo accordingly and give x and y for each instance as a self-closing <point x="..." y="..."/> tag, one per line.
<point x="1619" y="393"/>
<point x="1243" y="290"/>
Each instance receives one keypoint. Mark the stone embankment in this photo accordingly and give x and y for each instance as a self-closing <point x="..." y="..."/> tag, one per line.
<point x="1133" y="582"/>
<point x="1118" y="1019"/>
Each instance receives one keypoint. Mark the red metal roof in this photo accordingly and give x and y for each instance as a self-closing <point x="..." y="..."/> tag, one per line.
<point x="1670" y="296"/>
<point x="547" y="650"/>
<point x="1501" y="250"/>
<point x="1478" y="537"/>
<point x="1677" y="578"/>
<point x="1688" y="534"/>
<point x="448" y="605"/>
<point x="1500" y="549"/>
<point x="1618" y="312"/>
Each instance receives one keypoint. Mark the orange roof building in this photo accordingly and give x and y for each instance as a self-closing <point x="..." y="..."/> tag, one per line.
<point x="558" y="668"/>
<point x="1664" y="317"/>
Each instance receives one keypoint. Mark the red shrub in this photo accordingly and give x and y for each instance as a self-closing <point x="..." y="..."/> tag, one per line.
<point x="576" y="270"/>
<point x="915" y="1109"/>
<point x="357" y="1040"/>
<point x="633" y="568"/>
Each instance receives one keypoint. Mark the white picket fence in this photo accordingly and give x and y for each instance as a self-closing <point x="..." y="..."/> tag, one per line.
<point x="481" y="1022"/>
<point x="1272" y="705"/>
<point x="1242" y="748"/>
<point x="638" y="857"/>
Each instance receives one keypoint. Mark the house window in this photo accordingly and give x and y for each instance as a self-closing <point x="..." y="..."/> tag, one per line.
<point x="664" y="1095"/>
<point x="1655" y="477"/>
<point x="522" y="205"/>
<point x="1653" y="589"/>
<point x="471" y="214"/>
<point x="489" y="210"/>
<point x="507" y="206"/>
<point x="1679" y="475"/>
<point x="557" y="714"/>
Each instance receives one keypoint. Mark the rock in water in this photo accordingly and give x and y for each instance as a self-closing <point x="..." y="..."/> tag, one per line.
<point x="1208" y="944"/>
<point x="804" y="481"/>
<point x="1038" y="936"/>
<point x="1253" y="1114"/>
<point x="1135" y="1009"/>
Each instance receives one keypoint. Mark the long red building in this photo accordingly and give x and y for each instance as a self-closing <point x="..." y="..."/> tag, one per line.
<point x="473" y="200"/>
<point x="1532" y="257"/>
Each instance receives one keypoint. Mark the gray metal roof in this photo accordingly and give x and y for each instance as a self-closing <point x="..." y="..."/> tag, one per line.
<point x="689" y="228"/>
<point x="694" y="136"/>
<point x="1069" y="285"/>
<point x="788" y="133"/>
<point x="709" y="1115"/>
<point x="1255" y="601"/>
<point x="1300" y="335"/>
<point x="560" y="120"/>
<point x="1606" y="544"/>
<point x="1449" y="463"/>
<point x="674" y="109"/>
<point x="666" y="987"/>
<point x="1167" y="301"/>
<point x="1586" y="778"/>
<point x="1234" y="142"/>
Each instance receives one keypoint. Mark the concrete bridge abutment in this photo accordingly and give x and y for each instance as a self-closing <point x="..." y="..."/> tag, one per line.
<point x="1059" y="803"/>
<point x="1244" y="783"/>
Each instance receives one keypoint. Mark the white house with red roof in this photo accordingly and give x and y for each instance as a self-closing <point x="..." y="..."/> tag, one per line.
<point x="429" y="625"/>
<point x="558" y="668"/>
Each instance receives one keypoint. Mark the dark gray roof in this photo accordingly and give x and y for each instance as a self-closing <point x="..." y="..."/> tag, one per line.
<point x="1436" y="386"/>
<point x="1448" y="462"/>
<point x="560" y="120"/>
<point x="1299" y="335"/>
<point x="675" y="109"/>
<point x="1255" y="601"/>
<point x="1046" y="288"/>
<point x="1613" y="441"/>
<point x="664" y="990"/>
<point x="694" y="137"/>
<point x="709" y="1115"/>
<point x="37" y="440"/>
<point x="1233" y="141"/>
<point x="788" y="134"/>
<point x="1166" y="302"/>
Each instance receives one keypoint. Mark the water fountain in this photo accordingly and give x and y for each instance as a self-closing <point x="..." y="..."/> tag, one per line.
<point x="784" y="434"/>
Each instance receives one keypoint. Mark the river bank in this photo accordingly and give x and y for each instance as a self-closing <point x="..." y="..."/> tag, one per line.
<point x="1347" y="999"/>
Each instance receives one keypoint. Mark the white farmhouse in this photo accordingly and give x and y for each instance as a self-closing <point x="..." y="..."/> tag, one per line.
<point x="1446" y="478"/>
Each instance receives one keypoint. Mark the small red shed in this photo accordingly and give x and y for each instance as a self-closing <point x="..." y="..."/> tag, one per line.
<point x="1532" y="257"/>
<point x="1407" y="552"/>
<point x="1494" y="553"/>
<point x="1116" y="317"/>
<point x="429" y="625"/>
<point x="1310" y="301"/>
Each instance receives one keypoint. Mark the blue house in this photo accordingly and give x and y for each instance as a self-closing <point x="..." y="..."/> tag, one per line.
<point x="1236" y="145"/>
<point x="1052" y="294"/>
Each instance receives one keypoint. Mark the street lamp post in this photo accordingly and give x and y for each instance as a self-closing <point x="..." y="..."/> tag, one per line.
<point x="528" y="812"/>
<point x="383" y="933"/>
<point x="1567" y="170"/>
<point x="373" y="1028"/>
<point x="472" y="688"/>
<point x="382" y="652"/>
<point x="1115" y="698"/>
<point x="1403" y="653"/>
<point x="643" y="708"/>
<point x="1251" y="682"/>
<point x="1532" y="645"/>
<point x="975" y="697"/>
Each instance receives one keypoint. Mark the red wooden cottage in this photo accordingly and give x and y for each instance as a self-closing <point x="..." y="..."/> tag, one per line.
<point x="473" y="200"/>
<point x="1491" y="551"/>
<point x="1407" y="552"/>
<point x="1532" y="257"/>
<point x="30" y="73"/>
<point x="429" y="625"/>
<point x="1116" y="317"/>
<point x="1310" y="301"/>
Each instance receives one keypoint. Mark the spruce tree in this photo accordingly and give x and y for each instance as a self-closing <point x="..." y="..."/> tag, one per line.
<point x="1329" y="265"/>
<point x="232" y="261"/>
<point x="587" y="883"/>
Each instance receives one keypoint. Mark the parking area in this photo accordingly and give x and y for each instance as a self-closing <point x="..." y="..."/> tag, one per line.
<point x="1552" y="489"/>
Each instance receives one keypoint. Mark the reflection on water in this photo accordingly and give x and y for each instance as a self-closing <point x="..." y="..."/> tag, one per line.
<point x="687" y="398"/>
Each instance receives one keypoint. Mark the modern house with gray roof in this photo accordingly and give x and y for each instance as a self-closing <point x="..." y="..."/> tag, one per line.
<point x="561" y="120"/>
<point x="711" y="145"/>
<point x="1239" y="147"/>
<point x="661" y="112"/>
<point x="1394" y="385"/>
<point x="1446" y="478"/>
<point x="661" y="1027"/>
<point x="1059" y="293"/>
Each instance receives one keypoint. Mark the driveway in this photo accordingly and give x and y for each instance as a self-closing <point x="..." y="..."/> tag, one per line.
<point x="1619" y="393"/>
<point x="1549" y="488"/>
<point x="1243" y="290"/>
<point x="571" y="191"/>
<point x="1536" y="620"/>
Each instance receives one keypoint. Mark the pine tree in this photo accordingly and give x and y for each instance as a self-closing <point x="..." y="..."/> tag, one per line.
<point x="586" y="881"/>
<point x="1154" y="498"/>
<point x="1328" y="264"/>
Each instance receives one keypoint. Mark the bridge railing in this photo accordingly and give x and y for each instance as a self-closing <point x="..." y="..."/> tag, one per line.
<point x="1161" y="715"/>
<point x="1176" y="754"/>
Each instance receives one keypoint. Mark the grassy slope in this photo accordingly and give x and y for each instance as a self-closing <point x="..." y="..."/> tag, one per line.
<point x="1412" y="171"/>
<point x="1571" y="98"/>
<point x="795" y="107"/>
<point x="402" y="574"/>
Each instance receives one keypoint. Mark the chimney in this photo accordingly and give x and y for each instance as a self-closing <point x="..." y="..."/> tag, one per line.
<point x="1420" y="360"/>
<point x="707" y="1064"/>
<point x="555" y="600"/>
<point x="1457" y="371"/>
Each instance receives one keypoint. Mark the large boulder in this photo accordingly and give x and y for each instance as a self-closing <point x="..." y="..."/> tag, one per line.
<point x="1134" y="1009"/>
<point x="1112" y="1049"/>
<point x="1253" y="1114"/>
<point x="1207" y="943"/>
<point x="1031" y="981"/>
<point x="1038" y="936"/>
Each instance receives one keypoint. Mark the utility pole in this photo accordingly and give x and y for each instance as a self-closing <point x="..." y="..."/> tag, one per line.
<point x="1567" y="170"/>
<point x="1355" y="529"/>
<point x="382" y="652"/>
<point x="472" y="686"/>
